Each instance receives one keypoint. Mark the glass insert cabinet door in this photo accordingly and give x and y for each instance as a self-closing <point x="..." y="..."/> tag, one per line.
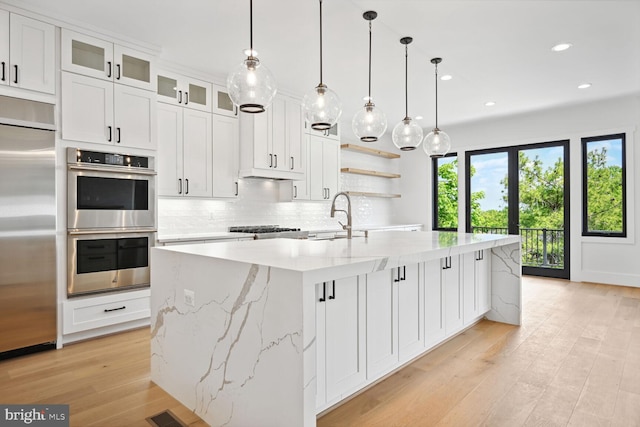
<point x="184" y="91"/>
<point x="104" y="60"/>
<point x="222" y="102"/>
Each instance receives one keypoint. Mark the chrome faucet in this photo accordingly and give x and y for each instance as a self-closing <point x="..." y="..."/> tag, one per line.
<point x="348" y="212"/>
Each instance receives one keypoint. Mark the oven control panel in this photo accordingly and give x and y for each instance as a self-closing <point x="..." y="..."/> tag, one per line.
<point x="111" y="159"/>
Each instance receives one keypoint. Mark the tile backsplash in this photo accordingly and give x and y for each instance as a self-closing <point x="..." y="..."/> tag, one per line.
<point x="258" y="203"/>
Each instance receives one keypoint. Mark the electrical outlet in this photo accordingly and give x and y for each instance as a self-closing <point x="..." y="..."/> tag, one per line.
<point x="190" y="297"/>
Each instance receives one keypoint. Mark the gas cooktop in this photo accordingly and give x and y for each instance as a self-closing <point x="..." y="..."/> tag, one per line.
<point x="270" y="231"/>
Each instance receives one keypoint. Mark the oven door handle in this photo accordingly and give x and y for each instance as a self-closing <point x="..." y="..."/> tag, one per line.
<point x="111" y="231"/>
<point x="113" y="170"/>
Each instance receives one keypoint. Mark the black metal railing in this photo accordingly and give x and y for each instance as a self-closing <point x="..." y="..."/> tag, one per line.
<point x="541" y="247"/>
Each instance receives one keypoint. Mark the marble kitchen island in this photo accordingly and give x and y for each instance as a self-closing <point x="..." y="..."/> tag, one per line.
<point x="272" y="332"/>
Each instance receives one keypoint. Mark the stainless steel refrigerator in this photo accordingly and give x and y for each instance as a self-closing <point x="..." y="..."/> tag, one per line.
<point x="27" y="227"/>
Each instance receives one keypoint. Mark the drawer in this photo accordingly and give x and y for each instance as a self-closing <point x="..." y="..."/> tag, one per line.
<point x="105" y="310"/>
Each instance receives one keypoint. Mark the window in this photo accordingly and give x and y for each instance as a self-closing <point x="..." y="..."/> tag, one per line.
<point x="604" y="207"/>
<point x="445" y="192"/>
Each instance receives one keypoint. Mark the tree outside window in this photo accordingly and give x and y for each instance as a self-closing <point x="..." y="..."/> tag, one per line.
<point x="604" y="186"/>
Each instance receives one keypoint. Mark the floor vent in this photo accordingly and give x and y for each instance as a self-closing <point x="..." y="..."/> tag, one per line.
<point x="165" y="419"/>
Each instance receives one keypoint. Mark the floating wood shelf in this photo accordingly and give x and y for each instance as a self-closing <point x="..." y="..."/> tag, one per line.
<point x="370" y="173"/>
<point x="371" y="151"/>
<point x="364" y="193"/>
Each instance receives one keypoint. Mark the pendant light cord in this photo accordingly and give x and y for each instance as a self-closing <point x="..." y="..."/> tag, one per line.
<point x="369" y="61"/>
<point x="436" y="96"/>
<point x="320" y="42"/>
<point x="250" y="27"/>
<point x="406" y="79"/>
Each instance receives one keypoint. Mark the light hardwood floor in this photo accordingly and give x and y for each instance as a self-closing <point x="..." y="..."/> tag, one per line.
<point x="574" y="361"/>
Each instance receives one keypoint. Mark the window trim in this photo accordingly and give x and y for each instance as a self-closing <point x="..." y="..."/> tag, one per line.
<point x="434" y="192"/>
<point x="585" y="231"/>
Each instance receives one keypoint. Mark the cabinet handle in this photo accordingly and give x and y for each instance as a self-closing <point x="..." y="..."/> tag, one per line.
<point x="235" y="110"/>
<point x="447" y="263"/>
<point x="110" y="134"/>
<point x="295" y="191"/>
<point x="15" y="80"/>
<point x="179" y="97"/>
<point x="118" y="74"/>
<point x="404" y="272"/>
<point x="292" y="162"/>
<point x="186" y="98"/>
<point x="4" y="77"/>
<point x="118" y="132"/>
<point x="480" y="255"/>
<point x="107" y="310"/>
<point x="397" y="279"/>
<point x="109" y="69"/>
<point x="324" y="292"/>
<point x="333" y="296"/>
<point x="276" y="157"/>
<point x="236" y="188"/>
<point x="179" y="185"/>
<point x="186" y="182"/>
<point x="270" y="160"/>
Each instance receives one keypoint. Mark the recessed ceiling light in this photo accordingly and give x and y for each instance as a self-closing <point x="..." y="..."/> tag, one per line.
<point x="446" y="77"/>
<point x="561" y="46"/>
<point x="489" y="103"/>
<point x="419" y="117"/>
<point x="584" y="86"/>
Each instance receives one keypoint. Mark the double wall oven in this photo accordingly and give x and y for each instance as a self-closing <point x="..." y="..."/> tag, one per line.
<point x="111" y="221"/>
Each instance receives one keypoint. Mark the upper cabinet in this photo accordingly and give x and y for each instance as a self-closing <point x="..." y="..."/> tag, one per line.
<point x="27" y="53"/>
<point x="104" y="60"/>
<point x="271" y="142"/>
<point x="185" y="91"/>
<point x="222" y="103"/>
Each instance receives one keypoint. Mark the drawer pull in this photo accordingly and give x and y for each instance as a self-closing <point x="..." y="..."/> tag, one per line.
<point x="107" y="310"/>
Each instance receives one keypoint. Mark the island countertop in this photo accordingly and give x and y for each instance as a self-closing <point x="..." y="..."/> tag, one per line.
<point x="310" y="255"/>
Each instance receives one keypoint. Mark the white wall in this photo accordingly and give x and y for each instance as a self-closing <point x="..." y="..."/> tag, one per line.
<point x="604" y="260"/>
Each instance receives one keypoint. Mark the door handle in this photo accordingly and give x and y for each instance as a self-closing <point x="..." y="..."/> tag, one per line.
<point x="110" y="134"/>
<point x="333" y="296"/>
<point x="186" y="98"/>
<point x="118" y="73"/>
<point x="179" y="97"/>
<point x="179" y="185"/>
<point x="295" y="191"/>
<point x="292" y="162"/>
<point x="15" y="80"/>
<point x="109" y="69"/>
<point x="237" y="188"/>
<point x="270" y="160"/>
<point x="404" y="272"/>
<point x="118" y="132"/>
<point x="4" y="77"/>
<point x="186" y="182"/>
<point x="324" y="292"/>
<point x="276" y="157"/>
<point x="397" y="279"/>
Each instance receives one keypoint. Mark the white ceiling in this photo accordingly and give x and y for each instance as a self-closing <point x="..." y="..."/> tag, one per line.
<point x="495" y="50"/>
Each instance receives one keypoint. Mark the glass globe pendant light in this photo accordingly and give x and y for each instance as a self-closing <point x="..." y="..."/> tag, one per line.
<point x="407" y="135"/>
<point x="322" y="106"/>
<point x="251" y="85"/>
<point x="370" y="123"/>
<point x="436" y="143"/>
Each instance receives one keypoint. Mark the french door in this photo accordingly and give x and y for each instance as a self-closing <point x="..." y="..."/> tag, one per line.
<point x="523" y="190"/>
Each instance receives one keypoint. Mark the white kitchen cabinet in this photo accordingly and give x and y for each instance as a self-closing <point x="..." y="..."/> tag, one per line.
<point x="225" y="156"/>
<point x="271" y="142"/>
<point x="98" y="111"/>
<point x="452" y="290"/>
<point x="477" y="285"/>
<point x="332" y="133"/>
<point x="434" y="331"/>
<point x="394" y="318"/>
<point x="185" y="91"/>
<point x="27" y="53"/>
<point x="324" y="167"/>
<point x="340" y="338"/>
<point x="105" y="60"/>
<point x="222" y="103"/>
<point x="185" y="160"/>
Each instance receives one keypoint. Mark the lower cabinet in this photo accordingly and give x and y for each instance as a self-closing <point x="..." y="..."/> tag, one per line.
<point x="452" y="290"/>
<point x="477" y="285"/>
<point x="433" y="304"/>
<point x="340" y="335"/>
<point x="394" y="318"/>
